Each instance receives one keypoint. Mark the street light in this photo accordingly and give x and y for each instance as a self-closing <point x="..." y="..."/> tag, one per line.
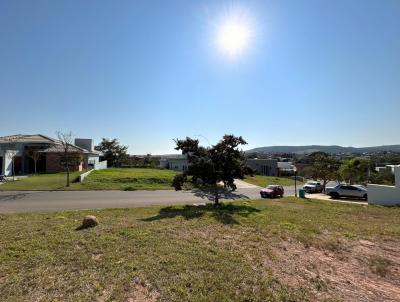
<point x="295" y="181"/>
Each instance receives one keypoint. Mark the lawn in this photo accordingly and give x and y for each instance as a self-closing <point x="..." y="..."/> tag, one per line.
<point x="263" y="181"/>
<point x="129" y="179"/>
<point x="270" y="250"/>
<point x="55" y="181"/>
<point x="108" y="179"/>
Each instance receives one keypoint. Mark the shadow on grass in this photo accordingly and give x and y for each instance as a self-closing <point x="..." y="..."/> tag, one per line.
<point x="223" y="213"/>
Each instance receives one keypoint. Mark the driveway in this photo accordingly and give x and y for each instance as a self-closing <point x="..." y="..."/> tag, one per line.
<point x="323" y="196"/>
<point x="33" y="201"/>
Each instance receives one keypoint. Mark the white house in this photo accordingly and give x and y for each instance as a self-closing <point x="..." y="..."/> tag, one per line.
<point x="385" y="167"/>
<point x="15" y="150"/>
<point x="176" y="162"/>
<point x="385" y="195"/>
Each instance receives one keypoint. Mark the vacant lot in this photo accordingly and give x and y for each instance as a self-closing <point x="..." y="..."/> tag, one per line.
<point x="55" y="181"/>
<point x="280" y="250"/>
<point x="109" y="179"/>
<point x="263" y="181"/>
<point x="129" y="179"/>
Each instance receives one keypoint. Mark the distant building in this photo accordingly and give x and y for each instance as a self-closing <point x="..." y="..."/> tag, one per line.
<point x="91" y="156"/>
<point x="383" y="167"/>
<point x="267" y="167"/>
<point x="286" y="168"/>
<point x="51" y="150"/>
<point x="176" y="163"/>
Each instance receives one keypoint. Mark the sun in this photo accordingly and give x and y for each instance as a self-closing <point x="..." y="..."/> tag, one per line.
<point x="233" y="35"/>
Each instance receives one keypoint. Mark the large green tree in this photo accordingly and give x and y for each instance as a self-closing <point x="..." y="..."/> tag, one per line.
<point x="325" y="168"/>
<point x="356" y="170"/>
<point x="112" y="151"/>
<point x="210" y="166"/>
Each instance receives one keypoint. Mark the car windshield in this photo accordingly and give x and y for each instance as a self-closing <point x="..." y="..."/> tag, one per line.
<point x="312" y="183"/>
<point x="271" y="187"/>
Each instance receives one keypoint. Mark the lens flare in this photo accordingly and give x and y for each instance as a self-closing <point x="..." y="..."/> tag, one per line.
<point x="234" y="34"/>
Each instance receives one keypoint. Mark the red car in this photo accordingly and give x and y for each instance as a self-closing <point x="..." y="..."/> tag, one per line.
<point x="272" y="191"/>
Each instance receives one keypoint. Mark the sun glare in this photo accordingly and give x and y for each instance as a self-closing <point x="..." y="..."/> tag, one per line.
<point x="233" y="35"/>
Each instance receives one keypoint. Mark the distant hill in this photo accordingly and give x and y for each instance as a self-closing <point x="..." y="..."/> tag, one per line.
<point x="328" y="149"/>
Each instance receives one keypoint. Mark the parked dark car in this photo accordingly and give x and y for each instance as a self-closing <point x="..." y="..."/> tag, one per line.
<point x="272" y="191"/>
<point x="313" y="187"/>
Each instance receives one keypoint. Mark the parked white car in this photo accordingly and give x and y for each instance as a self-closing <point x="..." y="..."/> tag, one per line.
<point x="313" y="187"/>
<point x="351" y="191"/>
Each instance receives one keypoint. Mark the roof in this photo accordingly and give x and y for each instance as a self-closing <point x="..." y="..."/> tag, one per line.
<point x="55" y="145"/>
<point x="58" y="147"/>
<point x="175" y="157"/>
<point x="30" y="138"/>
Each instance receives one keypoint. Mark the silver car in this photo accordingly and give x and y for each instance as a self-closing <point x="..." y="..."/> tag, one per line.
<point x="351" y="191"/>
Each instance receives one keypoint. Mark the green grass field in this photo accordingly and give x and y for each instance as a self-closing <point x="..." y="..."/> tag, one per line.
<point x="270" y="250"/>
<point x="109" y="179"/>
<point x="55" y="181"/>
<point x="129" y="179"/>
<point x="263" y="181"/>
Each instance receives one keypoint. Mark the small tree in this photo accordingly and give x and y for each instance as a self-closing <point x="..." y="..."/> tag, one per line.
<point x="35" y="154"/>
<point x="222" y="162"/>
<point x="324" y="168"/>
<point x="65" y="140"/>
<point x="113" y="151"/>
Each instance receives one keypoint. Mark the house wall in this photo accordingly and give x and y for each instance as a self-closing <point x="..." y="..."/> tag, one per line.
<point x="7" y="161"/>
<point x="164" y="163"/>
<point x="385" y="195"/>
<point x="178" y="164"/>
<point x="53" y="164"/>
<point x="268" y="167"/>
<point x="101" y="165"/>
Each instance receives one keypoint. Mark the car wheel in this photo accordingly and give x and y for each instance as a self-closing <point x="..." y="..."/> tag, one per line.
<point x="335" y="195"/>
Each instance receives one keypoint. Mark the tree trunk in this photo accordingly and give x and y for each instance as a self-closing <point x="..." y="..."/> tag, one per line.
<point x="216" y="196"/>
<point x="67" y="163"/>
<point x="34" y="163"/>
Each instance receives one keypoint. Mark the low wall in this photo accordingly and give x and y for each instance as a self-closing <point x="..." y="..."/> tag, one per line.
<point x="101" y="165"/>
<point x="383" y="195"/>
<point x="84" y="175"/>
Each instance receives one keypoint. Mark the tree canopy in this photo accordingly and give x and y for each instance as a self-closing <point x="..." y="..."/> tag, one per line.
<point x="325" y="167"/>
<point x="113" y="151"/>
<point x="220" y="163"/>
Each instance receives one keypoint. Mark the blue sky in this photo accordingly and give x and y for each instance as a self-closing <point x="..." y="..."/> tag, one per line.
<point x="145" y="72"/>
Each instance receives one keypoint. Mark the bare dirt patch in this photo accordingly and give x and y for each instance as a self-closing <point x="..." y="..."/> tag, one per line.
<point x="340" y="269"/>
<point x="142" y="292"/>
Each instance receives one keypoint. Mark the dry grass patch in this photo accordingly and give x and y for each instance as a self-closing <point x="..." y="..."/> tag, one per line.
<point x="269" y="250"/>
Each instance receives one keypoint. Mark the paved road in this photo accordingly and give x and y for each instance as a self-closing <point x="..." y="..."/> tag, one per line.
<point x="32" y="201"/>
